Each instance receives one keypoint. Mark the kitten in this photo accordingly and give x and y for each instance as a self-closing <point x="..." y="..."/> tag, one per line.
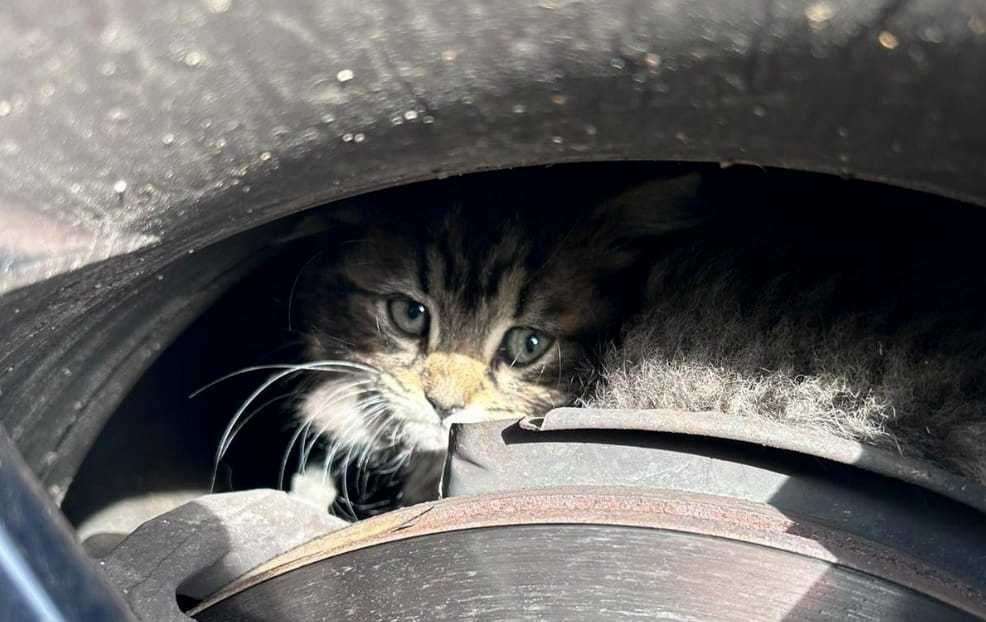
<point x="861" y="323"/>
<point x="489" y="308"/>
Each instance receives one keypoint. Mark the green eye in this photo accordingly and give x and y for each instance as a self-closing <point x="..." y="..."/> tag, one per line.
<point x="522" y="346"/>
<point x="409" y="316"/>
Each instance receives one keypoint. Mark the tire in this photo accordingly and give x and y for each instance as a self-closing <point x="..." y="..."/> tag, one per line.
<point x="146" y="147"/>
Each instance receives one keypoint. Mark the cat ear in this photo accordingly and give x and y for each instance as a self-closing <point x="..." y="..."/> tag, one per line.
<point x="656" y="207"/>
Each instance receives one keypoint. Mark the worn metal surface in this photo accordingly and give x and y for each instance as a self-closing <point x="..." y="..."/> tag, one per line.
<point x="499" y="456"/>
<point x="566" y="572"/>
<point x="768" y="434"/>
<point x="203" y="545"/>
<point x="167" y="127"/>
<point x="44" y="575"/>
<point x="574" y="553"/>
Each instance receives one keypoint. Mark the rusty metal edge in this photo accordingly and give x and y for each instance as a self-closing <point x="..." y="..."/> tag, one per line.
<point x="685" y="512"/>
<point x="768" y="434"/>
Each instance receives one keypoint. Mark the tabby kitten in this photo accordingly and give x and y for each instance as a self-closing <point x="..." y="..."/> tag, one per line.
<point x="799" y="308"/>
<point x="470" y="307"/>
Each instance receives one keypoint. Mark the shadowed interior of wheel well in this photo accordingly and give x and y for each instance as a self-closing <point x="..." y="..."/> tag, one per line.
<point x="160" y="445"/>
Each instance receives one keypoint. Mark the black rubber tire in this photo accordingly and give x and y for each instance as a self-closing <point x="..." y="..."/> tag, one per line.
<point x="143" y="143"/>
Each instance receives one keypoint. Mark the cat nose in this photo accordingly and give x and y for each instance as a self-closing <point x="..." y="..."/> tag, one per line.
<point x="444" y="411"/>
<point x="450" y="381"/>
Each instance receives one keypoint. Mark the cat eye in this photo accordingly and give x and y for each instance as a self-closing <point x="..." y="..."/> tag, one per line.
<point x="522" y="346"/>
<point x="409" y="316"/>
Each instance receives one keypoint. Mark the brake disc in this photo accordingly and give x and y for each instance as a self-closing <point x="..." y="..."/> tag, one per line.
<point x="596" y="515"/>
<point x="587" y="554"/>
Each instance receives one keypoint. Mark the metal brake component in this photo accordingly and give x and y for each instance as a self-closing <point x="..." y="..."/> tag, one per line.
<point x="592" y="515"/>
<point x="203" y="545"/>
<point x="766" y="433"/>
<point x="591" y="553"/>
<point x="860" y="493"/>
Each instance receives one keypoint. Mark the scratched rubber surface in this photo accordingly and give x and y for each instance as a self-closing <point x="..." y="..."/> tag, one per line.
<point x="139" y="139"/>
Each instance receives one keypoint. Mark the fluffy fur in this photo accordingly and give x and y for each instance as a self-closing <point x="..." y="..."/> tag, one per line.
<point x="867" y="331"/>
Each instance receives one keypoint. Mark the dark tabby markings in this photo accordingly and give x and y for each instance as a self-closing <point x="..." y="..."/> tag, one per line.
<point x="424" y="266"/>
<point x="473" y="266"/>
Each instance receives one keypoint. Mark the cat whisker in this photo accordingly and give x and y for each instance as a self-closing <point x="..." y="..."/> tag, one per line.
<point x="363" y="462"/>
<point x="344" y="497"/>
<point x="256" y="411"/>
<point x="374" y="419"/>
<point x="558" y="346"/>
<point x="395" y="433"/>
<point x="332" y="366"/>
<point x="363" y="454"/>
<point x="370" y="418"/>
<point x="313" y="437"/>
<point x="370" y="446"/>
<point x="344" y="481"/>
<point x="294" y="285"/>
<point x="227" y="435"/>
<point x="224" y="439"/>
<point x="302" y="429"/>
<point x="339" y="439"/>
<point x="305" y="430"/>
<point x="373" y="506"/>
<point x="334" y="398"/>
<point x="401" y="402"/>
<point x="337" y="341"/>
<point x="399" y="461"/>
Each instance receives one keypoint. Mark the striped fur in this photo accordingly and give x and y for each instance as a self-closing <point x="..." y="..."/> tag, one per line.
<point x="482" y="263"/>
<point x="823" y="316"/>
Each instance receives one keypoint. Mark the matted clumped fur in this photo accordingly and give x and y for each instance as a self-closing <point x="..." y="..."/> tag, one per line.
<point x="869" y="327"/>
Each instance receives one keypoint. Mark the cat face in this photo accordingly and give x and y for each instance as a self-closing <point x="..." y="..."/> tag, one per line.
<point x="488" y="309"/>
